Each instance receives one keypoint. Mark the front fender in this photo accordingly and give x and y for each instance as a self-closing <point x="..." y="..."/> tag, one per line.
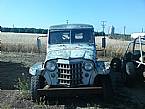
<point x="102" y="68"/>
<point x="36" y="68"/>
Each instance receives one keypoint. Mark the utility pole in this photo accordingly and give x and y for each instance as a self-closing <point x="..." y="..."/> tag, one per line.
<point x="103" y="25"/>
<point x="142" y="29"/>
<point x="104" y="39"/>
<point x="66" y="21"/>
<point x="124" y="30"/>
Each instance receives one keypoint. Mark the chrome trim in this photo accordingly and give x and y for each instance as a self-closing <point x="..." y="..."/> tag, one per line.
<point x="70" y="75"/>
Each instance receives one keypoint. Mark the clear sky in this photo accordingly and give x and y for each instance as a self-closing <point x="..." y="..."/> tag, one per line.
<point x="43" y="13"/>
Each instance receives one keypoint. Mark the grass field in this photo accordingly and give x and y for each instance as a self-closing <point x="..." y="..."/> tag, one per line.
<point x="114" y="48"/>
<point x="23" y="42"/>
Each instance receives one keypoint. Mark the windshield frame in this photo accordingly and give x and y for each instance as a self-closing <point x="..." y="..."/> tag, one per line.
<point x="88" y="36"/>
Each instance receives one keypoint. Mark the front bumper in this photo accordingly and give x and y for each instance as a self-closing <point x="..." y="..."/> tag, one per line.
<point x="64" y="92"/>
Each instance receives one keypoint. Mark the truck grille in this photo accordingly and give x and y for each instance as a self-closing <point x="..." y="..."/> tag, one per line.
<point x="70" y="75"/>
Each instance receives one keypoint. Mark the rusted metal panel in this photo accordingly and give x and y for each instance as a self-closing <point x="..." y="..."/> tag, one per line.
<point x="80" y="91"/>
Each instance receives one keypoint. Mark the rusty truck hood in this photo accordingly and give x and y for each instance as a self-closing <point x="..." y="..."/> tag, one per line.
<point x="71" y="51"/>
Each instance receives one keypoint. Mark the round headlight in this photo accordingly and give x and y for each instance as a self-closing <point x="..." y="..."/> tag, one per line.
<point x="50" y="65"/>
<point x="88" y="66"/>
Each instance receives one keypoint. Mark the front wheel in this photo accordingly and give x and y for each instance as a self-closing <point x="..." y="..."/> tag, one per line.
<point x="37" y="82"/>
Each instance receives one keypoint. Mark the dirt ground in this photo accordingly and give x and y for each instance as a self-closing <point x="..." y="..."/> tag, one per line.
<point x="16" y="65"/>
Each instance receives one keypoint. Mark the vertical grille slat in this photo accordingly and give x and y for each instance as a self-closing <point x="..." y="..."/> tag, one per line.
<point x="70" y="74"/>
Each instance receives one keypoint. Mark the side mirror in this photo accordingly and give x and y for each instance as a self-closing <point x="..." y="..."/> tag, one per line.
<point x="103" y="42"/>
<point x="38" y="43"/>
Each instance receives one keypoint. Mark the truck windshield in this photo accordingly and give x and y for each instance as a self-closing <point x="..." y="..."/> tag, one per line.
<point x="71" y="36"/>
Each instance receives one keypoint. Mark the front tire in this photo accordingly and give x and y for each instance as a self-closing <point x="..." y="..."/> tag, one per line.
<point x="37" y="82"/>
<point x="34" y="86"/>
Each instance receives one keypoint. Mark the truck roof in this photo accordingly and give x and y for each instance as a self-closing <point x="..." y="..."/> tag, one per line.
<point x="71" y="26"/>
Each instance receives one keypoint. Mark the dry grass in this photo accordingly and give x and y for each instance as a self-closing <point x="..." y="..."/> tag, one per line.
<point x="114" y="48"/>
<point x="23" y="42"/>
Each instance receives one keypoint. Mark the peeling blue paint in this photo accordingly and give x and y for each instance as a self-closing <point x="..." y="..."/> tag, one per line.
<point x="67" y="51"/>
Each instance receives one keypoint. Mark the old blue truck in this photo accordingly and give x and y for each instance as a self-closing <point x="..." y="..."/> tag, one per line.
<point x="71" y="66"/>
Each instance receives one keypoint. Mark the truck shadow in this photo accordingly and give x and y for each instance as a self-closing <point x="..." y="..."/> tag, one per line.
<point x="9" y="74"/>
<point x="79" y="102"/>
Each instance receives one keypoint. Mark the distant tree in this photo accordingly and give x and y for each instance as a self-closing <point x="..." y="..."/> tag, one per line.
<point x="24" y="30"/>
<point x="99" y="33"/>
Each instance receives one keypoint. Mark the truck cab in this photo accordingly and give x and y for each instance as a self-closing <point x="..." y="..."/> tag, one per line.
<point x="71" y="63"/>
